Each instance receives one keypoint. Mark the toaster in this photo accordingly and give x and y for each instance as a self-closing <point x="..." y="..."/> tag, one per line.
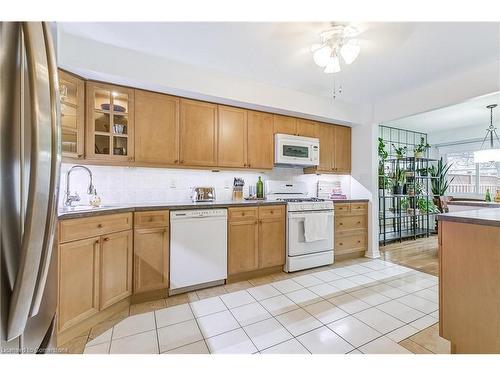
<point x="203" y="194"/>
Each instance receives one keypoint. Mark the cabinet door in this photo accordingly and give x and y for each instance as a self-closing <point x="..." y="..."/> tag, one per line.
<point x="325" y="133"/>
<point x="260" y="140"/>
<point x="271" y="242"/>
<point x="232" y="145"/>
<point x="78" y="281"/>
<point x="306" y="128"/>
<point x="243" y="254"/>
<point x="156" y="128"/>
<point x="198" y="133"/>
<point x="151" y="250"/>
<point x="72" y="96"/>
<point x="342" y="161"/>
<point x="116" y="268"/>
<point x="284" y="125"/>
<point x="110" y="122"/>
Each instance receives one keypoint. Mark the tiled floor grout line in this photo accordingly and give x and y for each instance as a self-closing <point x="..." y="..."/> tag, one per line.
<point x="156" y="330"/>
<point x="199" y="328"/>
<point x="241" y="327"/>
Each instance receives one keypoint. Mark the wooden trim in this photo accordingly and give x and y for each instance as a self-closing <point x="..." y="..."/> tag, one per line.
<point x="353" y="255"/>
<point x="151" y="295"/>
<point x="253" y="274"/>
<point x="84" y="326"/>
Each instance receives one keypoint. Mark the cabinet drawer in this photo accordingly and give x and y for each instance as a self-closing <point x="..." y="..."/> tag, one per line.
<point x="151" y="219"/>
<point x="361" y="207"/>
<point x="342" y="208"/>
<point x="345" y="243"/>
<point x="243" y="213"/>
<point x="269" y="212"/>
<point x="75" y="229"/>
<point x="350" y="222"/>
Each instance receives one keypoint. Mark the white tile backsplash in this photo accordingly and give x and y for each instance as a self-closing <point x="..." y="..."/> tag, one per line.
<point x="124" y="185"/>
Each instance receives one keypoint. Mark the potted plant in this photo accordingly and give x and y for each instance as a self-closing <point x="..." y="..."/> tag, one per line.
<point x="427" y="206"/>
<point x="421" y="148"/>
<point x="400" y="151"/>
<point x="439" y="182"/>
<point x="399" y="181"/>
<point x="383" y="180"/>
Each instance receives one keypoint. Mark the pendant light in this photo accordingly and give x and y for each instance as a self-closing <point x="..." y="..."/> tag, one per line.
<point x="491" y="154"/>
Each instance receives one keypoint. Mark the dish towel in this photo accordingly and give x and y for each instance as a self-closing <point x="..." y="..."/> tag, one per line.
<point x="316" y="227"/>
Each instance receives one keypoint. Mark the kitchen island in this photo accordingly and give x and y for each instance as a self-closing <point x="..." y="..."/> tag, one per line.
<point x="469" y="275"/>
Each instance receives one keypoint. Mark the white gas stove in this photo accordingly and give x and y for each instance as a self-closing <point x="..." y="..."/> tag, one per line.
<point x="309" y="227"/>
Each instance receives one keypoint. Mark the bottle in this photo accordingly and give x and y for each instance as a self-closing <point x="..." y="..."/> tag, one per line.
<point x="497" y="196"/>
<point x="260" y="188"/>
<point x="488" y="196"/>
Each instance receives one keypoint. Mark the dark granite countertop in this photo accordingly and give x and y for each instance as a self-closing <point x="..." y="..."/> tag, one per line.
<point x="481" y="204"/>
<point x="484" y="216"/>
<point x="186" y="205"/>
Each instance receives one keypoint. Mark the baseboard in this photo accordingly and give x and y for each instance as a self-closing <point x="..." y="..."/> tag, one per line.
<point x="253" y="274"/>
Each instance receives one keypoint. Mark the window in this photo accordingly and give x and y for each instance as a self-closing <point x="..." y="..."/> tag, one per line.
<point x="469" y="178"/>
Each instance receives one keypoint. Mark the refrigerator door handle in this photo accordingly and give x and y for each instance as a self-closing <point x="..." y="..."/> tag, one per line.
<point x="37" y="207"/>
<point x="55" y="169"/>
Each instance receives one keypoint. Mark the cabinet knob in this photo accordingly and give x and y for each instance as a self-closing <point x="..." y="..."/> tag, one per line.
<point x="249" y="165"/>
<point x="80" y="156"/>
<point x="106" y="239"/>
<point x="359" y="222"/>
<point x="341" y="243"/>
<point x="96" y="242"/>
<point x="176" y="161"/>
<point x="272" y="212"/>
<point x="242" y="214"/>
<point x="341" y="223"/>
<point x="99" y="225"/>
<point x="359" y="241"/>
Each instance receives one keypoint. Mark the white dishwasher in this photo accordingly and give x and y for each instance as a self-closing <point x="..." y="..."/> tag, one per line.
<point x="198" y="249"/>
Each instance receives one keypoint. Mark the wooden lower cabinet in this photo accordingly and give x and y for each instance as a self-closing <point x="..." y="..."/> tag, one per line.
<point x="271" y="242"/>
<point x="151" y="259"/>
<point x="351" y="229"/>
<point x="78" y="281"/>
<point x="243" y="245"/>
<point x="256" y="238"/>
<point x="115" y="268"/>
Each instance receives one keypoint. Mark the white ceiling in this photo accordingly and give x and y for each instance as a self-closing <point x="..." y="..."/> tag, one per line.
<point x="394" y="56"/>
<point x="470" y="113"/>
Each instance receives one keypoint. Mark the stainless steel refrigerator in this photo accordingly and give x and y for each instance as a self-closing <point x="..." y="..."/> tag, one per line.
<point x="29" y="175"/>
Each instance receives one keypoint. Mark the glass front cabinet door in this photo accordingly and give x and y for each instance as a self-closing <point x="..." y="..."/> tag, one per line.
<point x="72" y="97"/>
<point x="110" y="122"/>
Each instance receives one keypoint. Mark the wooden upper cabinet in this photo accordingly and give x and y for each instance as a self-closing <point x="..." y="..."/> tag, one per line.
<point x="110" y="122"/>
<point x="116" y="268"/>
<point x="156" y="128"/>
<point x="72" y="96"/>
<point x="232" y="145"/>
<point x="260" y="140"/>
<point x="284" y="125"/>
<point x="198" y="133"/>
<point x="342" y="149"/>
<point x="306" y="128"/>
<point x="325" y="133"/>
<point x="78" y="281"/>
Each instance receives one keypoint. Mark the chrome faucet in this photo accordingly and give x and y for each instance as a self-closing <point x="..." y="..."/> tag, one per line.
<point x="68" y="198"/>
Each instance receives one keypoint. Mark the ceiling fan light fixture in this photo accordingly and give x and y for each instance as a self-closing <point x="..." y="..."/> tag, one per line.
<point x="322" y="55"/>
<point x="350" y="51"/>
<point x="333" y="65"/>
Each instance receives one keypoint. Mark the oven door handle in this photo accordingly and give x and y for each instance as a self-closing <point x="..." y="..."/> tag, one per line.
<point x="302" y="215"/>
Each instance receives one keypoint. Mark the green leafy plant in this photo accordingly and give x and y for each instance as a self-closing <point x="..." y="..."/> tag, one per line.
<point x="427" y="205"/>
<point x="400" y="177"/>
<point x="439" y="182"/>
<point x="421" y="147"/>
<point x="400" y="151"/>
<point x="405" y="203"/>
<point x="382" y="153"/>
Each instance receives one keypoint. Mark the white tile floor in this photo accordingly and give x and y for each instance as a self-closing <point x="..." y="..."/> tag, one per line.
<point x="361" y="308"/>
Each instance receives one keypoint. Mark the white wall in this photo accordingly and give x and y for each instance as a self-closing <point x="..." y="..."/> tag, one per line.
<point x="126" y="185"/>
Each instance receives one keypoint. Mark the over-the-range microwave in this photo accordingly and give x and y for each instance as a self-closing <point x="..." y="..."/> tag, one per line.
<point x="295" y="150"/>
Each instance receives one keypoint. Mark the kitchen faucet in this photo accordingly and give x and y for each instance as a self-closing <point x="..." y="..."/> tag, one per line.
<point x="68" y="198"/>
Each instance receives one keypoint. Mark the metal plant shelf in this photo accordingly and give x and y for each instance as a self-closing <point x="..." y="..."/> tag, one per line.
<point x="395" y="224"/>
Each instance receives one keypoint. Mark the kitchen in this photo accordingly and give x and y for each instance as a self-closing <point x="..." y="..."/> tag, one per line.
<point x="195" y="218"/>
